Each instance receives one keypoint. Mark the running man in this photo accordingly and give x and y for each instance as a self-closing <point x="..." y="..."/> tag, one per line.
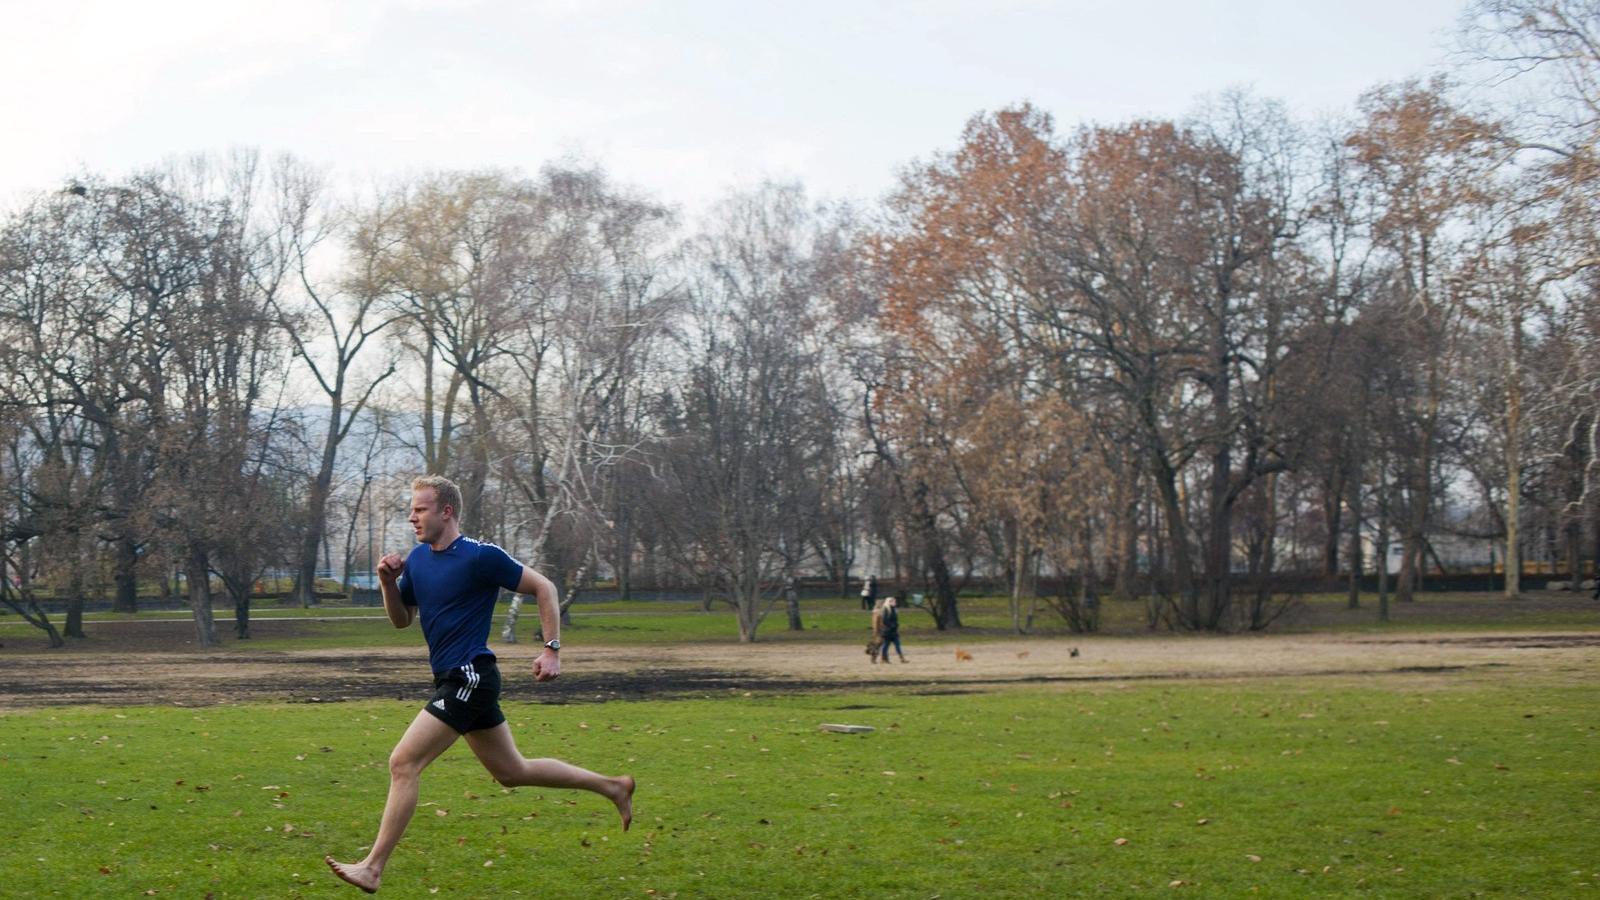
<point x="452" y="582"/>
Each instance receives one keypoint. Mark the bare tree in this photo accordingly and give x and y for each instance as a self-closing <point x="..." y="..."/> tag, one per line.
<point x="330" y="327"/>
<point x="746" y="469"/>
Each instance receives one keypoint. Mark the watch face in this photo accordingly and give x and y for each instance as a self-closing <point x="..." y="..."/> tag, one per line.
<point x="553" y="645"/>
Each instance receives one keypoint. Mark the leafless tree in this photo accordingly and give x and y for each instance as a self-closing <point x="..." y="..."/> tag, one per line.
<point x="331" y="324"/>
<point x="746" y="470"/>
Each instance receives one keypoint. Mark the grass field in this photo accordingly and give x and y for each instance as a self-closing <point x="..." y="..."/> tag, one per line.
<point x="1229" y="789"/>
<point x="1415" y="781"/>
<point x="833" y="620"/>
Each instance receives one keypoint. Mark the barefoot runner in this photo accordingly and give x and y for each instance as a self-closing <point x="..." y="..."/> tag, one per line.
<point x="452" y="582"/>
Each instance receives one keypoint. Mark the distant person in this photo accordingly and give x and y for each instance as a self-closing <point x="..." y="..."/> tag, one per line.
<point x="887" y="627"/>
<point x="452" y="582"/>
<point x="875" y="640"/>
<point x="869" y="593"/>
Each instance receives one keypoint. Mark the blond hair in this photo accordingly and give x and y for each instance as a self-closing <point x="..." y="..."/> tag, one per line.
<point x="445" y="491"/>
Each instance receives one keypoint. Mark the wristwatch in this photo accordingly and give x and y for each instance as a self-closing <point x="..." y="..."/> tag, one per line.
<point x="553" y="644"/>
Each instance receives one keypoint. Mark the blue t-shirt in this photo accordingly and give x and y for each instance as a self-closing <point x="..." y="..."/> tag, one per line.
<point x="454" y="591"/>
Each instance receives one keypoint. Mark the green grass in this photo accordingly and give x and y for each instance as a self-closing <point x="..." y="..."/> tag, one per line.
<point x="1472" y="789"/>
<point x="840" y="620"/>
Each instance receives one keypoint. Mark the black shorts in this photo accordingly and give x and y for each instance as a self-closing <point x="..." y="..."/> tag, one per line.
<point x="467" y="698"/>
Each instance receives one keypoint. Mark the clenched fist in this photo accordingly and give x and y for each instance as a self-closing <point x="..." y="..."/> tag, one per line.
<point x="390" y="567"/>
<point x="547" y="666"/>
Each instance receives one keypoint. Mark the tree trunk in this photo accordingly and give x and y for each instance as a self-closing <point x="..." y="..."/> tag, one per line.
<point x="1573" y="547"/>
<point x="1411" y="538"/>
<point x="1263" y="564"/>
<point x="241" y="616"/>
<point x="747" y="605"/>
<point x="945" y="612"/>
<point x="74" y="626"/>
<point x="126" y="565"/>
<point x="1182" y="565"/>
<point x="1383" y="548"/>
<point x="1333" y="503"/>
<point x="1353" y="555"/>
<point x="791" y="596"/>
<point x="1127" y="567"/>
<point x="199" y="575"/>
<point x="239" y="585"/>
<point x="552" y="507"/>
<point x="305" y="582"/>
<point x="624" y="553"/>
<point x="1513" y="560"/>
<point x="1219" y="524"/>
<point x="1018" y="561"/>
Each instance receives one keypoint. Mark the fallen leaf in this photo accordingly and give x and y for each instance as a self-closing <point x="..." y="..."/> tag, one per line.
<point x="1252" y="857"/>
<point x="1120" y="842"/>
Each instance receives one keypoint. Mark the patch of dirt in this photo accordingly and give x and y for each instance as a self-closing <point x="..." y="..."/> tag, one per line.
<point x="129" y="674"/>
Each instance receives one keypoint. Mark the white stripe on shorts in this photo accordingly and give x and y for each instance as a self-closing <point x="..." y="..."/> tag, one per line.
<point x="472" y="682"/>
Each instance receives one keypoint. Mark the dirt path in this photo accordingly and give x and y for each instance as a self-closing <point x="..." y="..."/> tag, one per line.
<point x="593" y="674"/>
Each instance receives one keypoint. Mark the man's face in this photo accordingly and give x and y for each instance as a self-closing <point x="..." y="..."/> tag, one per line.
<point x="427" y="519"/>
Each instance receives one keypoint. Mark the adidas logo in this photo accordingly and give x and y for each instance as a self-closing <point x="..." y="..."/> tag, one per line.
<point x="439" y="703"/>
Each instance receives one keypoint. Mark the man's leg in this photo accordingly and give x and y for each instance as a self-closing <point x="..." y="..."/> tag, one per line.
<point x="420" y="745"/>
<point x="498" y="752"/>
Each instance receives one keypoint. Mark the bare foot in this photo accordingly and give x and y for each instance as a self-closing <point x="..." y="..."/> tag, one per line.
<point x="624" y="799"/>
<point x="359" y="875"/>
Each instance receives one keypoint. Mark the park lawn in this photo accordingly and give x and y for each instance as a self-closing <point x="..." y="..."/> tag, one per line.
<point x="835" y="620"/>
<point x="1398" y="788"/>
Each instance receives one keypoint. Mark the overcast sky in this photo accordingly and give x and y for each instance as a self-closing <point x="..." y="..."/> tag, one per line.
<point x="683" y="99"/>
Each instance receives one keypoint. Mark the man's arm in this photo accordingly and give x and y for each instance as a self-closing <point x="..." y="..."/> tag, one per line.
<point x="548" y="664"/>
<point x="389" y="569"/>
